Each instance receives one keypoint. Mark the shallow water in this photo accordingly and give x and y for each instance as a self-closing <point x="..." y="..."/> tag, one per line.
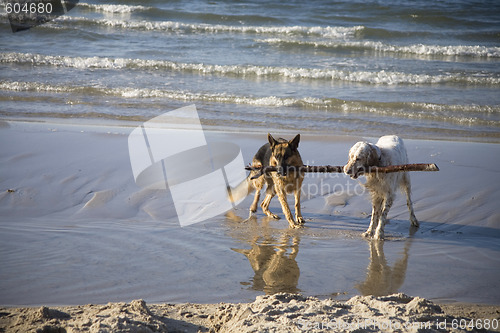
<point x="62" y="262"/>
<point x="76" y="229"/>
<point x="425" y="70"/>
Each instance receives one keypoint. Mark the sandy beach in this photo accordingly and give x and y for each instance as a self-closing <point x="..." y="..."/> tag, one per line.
<point x="274" y="313"/>
<point x="75" y="229"/>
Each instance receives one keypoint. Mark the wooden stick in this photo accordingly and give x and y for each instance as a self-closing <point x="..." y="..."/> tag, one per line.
<point x="404" y="168"/>
<point x="340" y="169"/>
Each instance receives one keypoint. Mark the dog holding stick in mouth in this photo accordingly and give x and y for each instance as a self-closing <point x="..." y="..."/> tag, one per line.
<point x="389" y="150"/>
<point x="282" y="154"/>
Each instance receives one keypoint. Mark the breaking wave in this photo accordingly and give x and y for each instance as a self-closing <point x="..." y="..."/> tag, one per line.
<point x="417" y="49"/>
<point x="328" y="32"/>
<point x="335" y="37"/>
<point x="113" y="8"/>
<point x="380" y="77"/>
<point x="461" y="114"/>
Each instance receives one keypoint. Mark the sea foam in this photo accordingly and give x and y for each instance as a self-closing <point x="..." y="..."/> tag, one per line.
<point x="369" y="77"/>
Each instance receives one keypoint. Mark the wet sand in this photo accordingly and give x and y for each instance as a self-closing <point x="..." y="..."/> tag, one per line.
<point x="76" y="229"/>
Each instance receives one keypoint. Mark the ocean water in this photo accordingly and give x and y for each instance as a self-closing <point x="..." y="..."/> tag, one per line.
<point x="420" y="69"/>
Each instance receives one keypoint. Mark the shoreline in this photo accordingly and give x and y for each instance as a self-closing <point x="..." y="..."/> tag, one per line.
<point x="269" y="313"/>
<point x="246" y="130"/>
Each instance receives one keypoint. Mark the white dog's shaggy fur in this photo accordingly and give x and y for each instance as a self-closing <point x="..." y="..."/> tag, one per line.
<point x="389" y="150"/>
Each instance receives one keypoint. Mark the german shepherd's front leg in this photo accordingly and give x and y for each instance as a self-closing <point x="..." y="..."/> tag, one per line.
<point x="286" y="210"/>
<point x="270" y="192"/>
<point x="298" y="213"/>
<point x="280" y="189"/>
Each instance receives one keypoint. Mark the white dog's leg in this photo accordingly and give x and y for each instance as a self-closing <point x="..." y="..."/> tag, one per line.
<point x="407" y="189"/>
<point x="376" y="212"/>
<point x="379" y="233"/>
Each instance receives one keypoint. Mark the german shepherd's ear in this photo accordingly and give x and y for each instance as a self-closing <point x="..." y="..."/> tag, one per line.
<point x="271" y="140"/>
<point x="294" y="143"/>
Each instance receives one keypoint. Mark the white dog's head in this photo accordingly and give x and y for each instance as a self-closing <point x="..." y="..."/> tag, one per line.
<point x="361" y="156"/>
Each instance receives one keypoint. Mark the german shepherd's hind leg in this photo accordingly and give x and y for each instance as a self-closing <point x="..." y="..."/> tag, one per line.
<point x="253" y="207"/>
<point x="258" y="184"/>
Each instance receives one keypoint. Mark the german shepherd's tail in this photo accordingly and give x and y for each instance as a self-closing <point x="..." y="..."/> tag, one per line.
<point x="240" y="192"/>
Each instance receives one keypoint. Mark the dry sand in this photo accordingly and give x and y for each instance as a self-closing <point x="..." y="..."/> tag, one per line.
<point x="274" y="313"/>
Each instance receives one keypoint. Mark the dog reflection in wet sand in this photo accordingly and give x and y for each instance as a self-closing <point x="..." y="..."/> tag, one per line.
<point x="274" y="264"/>
<point x="282" y="154"/>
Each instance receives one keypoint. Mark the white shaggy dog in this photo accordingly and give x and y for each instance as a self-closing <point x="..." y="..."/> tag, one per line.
<point x="389" y="150"/>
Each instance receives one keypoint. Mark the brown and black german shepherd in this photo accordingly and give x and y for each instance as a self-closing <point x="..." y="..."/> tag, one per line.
<point x="282" y="154"/>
